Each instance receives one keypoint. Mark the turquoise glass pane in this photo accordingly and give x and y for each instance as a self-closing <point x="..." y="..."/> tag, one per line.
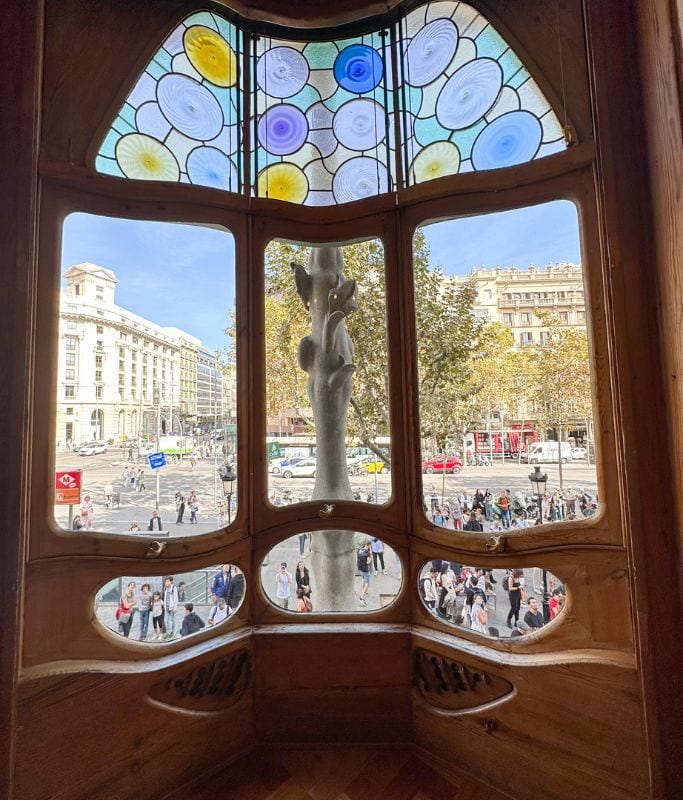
<point x="465" y="139"/>
<point x="490" y="44"/>
<point x="321" y="55"/>
<point x="172" y="127"/>
<point x="510" y="65"/>
<point x="459" y="91"/>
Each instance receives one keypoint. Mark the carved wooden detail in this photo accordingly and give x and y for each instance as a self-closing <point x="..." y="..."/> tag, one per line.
<point x="445" y="683"/>
<point x="211" y="687"/>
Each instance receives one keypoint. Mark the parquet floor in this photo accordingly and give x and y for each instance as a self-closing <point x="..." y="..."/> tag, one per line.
<point x="356" y="774"/>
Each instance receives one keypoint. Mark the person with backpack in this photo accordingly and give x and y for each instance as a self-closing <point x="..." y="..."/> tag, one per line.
<point x="192" y="623"/>
<point x="219" y="612"/>
<point x="363" y="563"/>
<point x="428" y="589"/>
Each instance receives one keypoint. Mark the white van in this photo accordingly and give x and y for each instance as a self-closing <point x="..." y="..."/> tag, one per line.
<point x="546" y="452"/>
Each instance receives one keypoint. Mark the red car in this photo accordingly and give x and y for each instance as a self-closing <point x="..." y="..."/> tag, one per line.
<point x="451" y="464"/>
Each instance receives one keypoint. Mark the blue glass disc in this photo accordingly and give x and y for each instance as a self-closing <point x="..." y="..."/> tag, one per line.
<point x="513" y="138"/>
<point x="358" y="68"/>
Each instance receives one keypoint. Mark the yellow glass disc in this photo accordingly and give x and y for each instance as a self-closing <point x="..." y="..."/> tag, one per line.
<point x="283" y="182"/>
<point x="435" y="161"/>
<point x="143" y="158"/>
<point x="211" y="55"/>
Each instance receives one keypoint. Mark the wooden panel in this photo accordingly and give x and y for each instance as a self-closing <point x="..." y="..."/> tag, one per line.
<point x="97" y="736"/>
<point x="659" y="24"/>
<point x="568" y="732"/>
<point x="327" y="687"/>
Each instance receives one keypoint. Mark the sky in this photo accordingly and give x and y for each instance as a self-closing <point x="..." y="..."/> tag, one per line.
<point x="540" y="235"/>
<point x="183" y="275"/>
<point x="171" y="274"/>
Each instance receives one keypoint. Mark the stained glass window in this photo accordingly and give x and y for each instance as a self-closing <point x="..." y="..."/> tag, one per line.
<point x="323" y="126"/>
<point x="182" y="119"/>
<point x="468" y="104"/>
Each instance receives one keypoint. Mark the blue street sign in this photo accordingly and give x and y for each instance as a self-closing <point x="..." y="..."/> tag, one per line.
<point x="157" y="460"/>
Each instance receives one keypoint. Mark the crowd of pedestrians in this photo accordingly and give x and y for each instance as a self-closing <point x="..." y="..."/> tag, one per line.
<point x="467" y="596"/>
<point x="296" y="588"/>
<point x="484" y="510"/>
<point x="161" y="602"/>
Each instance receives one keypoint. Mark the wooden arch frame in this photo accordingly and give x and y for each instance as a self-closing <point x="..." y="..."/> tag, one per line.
<point x="626" y="223"/>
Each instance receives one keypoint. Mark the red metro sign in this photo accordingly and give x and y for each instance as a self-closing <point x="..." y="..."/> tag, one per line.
<point x="67" y="487"/>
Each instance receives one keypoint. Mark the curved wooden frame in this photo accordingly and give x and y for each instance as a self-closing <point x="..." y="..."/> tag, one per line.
<point x="606" y="178"/>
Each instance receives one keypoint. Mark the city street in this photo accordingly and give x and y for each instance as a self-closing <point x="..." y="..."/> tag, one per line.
<point x="383" y="588"/>
<point x="99" y="470"/>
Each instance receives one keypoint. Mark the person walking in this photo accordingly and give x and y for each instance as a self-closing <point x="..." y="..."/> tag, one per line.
<point x="283" y="586"/>
<point x="157" y="615"/>
<point x="504" y="506"/>
<point x="126" y="610"/>
<point x="141" y="481"/>
<point x="145" y="607"/>
<point x="170" y="606"/>
<point x="236" y="590"/>
<point x="363" y="562"/>
<point x="221" y="583"/>
<point x="180" y="507"/>
<point x="513" y="584"/>
<point x="429" y="589"/>
<point x="87" y="513"/>
<point x="378" y="555"/>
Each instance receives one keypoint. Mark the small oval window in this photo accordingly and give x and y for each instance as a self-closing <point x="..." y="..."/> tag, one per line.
<point x="331" y="572"/>
<point x="498" y="602"/>
<point x="163" y="608"/>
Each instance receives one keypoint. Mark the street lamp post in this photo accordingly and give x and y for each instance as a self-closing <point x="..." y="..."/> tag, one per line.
<point x="228" y="478"/>
<point x="156" y="397"/>
<point x="538" y="482"/>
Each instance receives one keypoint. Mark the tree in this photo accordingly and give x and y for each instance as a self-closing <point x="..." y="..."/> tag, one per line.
<point x="560" y="380"/>
<point x="446" y="324"/>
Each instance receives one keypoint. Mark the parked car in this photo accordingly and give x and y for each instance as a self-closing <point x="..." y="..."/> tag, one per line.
<point x="364" y="465"/>
<point x="579" y="452"/>
<point x="451" y="464"/>
<point x="92" y="449"/>
<point x="277" y="465"/>
<point x="302" y="469"/>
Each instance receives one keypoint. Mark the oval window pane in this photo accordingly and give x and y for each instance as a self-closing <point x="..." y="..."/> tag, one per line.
<point x="330" y="572"/>
<point x="506" y="401"/>
<point x="145" y="402"/>
<point x="162" y="608"/>
<point x="496" y="602"/>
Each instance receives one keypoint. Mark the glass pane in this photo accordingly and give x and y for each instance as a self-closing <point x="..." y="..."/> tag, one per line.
<point x="145" y="401"/>
<point x="323" y="130"/>
<point x="326" y="373"/>
<point x="161" y="608"/>
<point x="505" y="382"/>
<point x="331" y="571"/>
<point x="182" y="119"/>
<point x="498" y="602"/>
<point x="468" y="103"/>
